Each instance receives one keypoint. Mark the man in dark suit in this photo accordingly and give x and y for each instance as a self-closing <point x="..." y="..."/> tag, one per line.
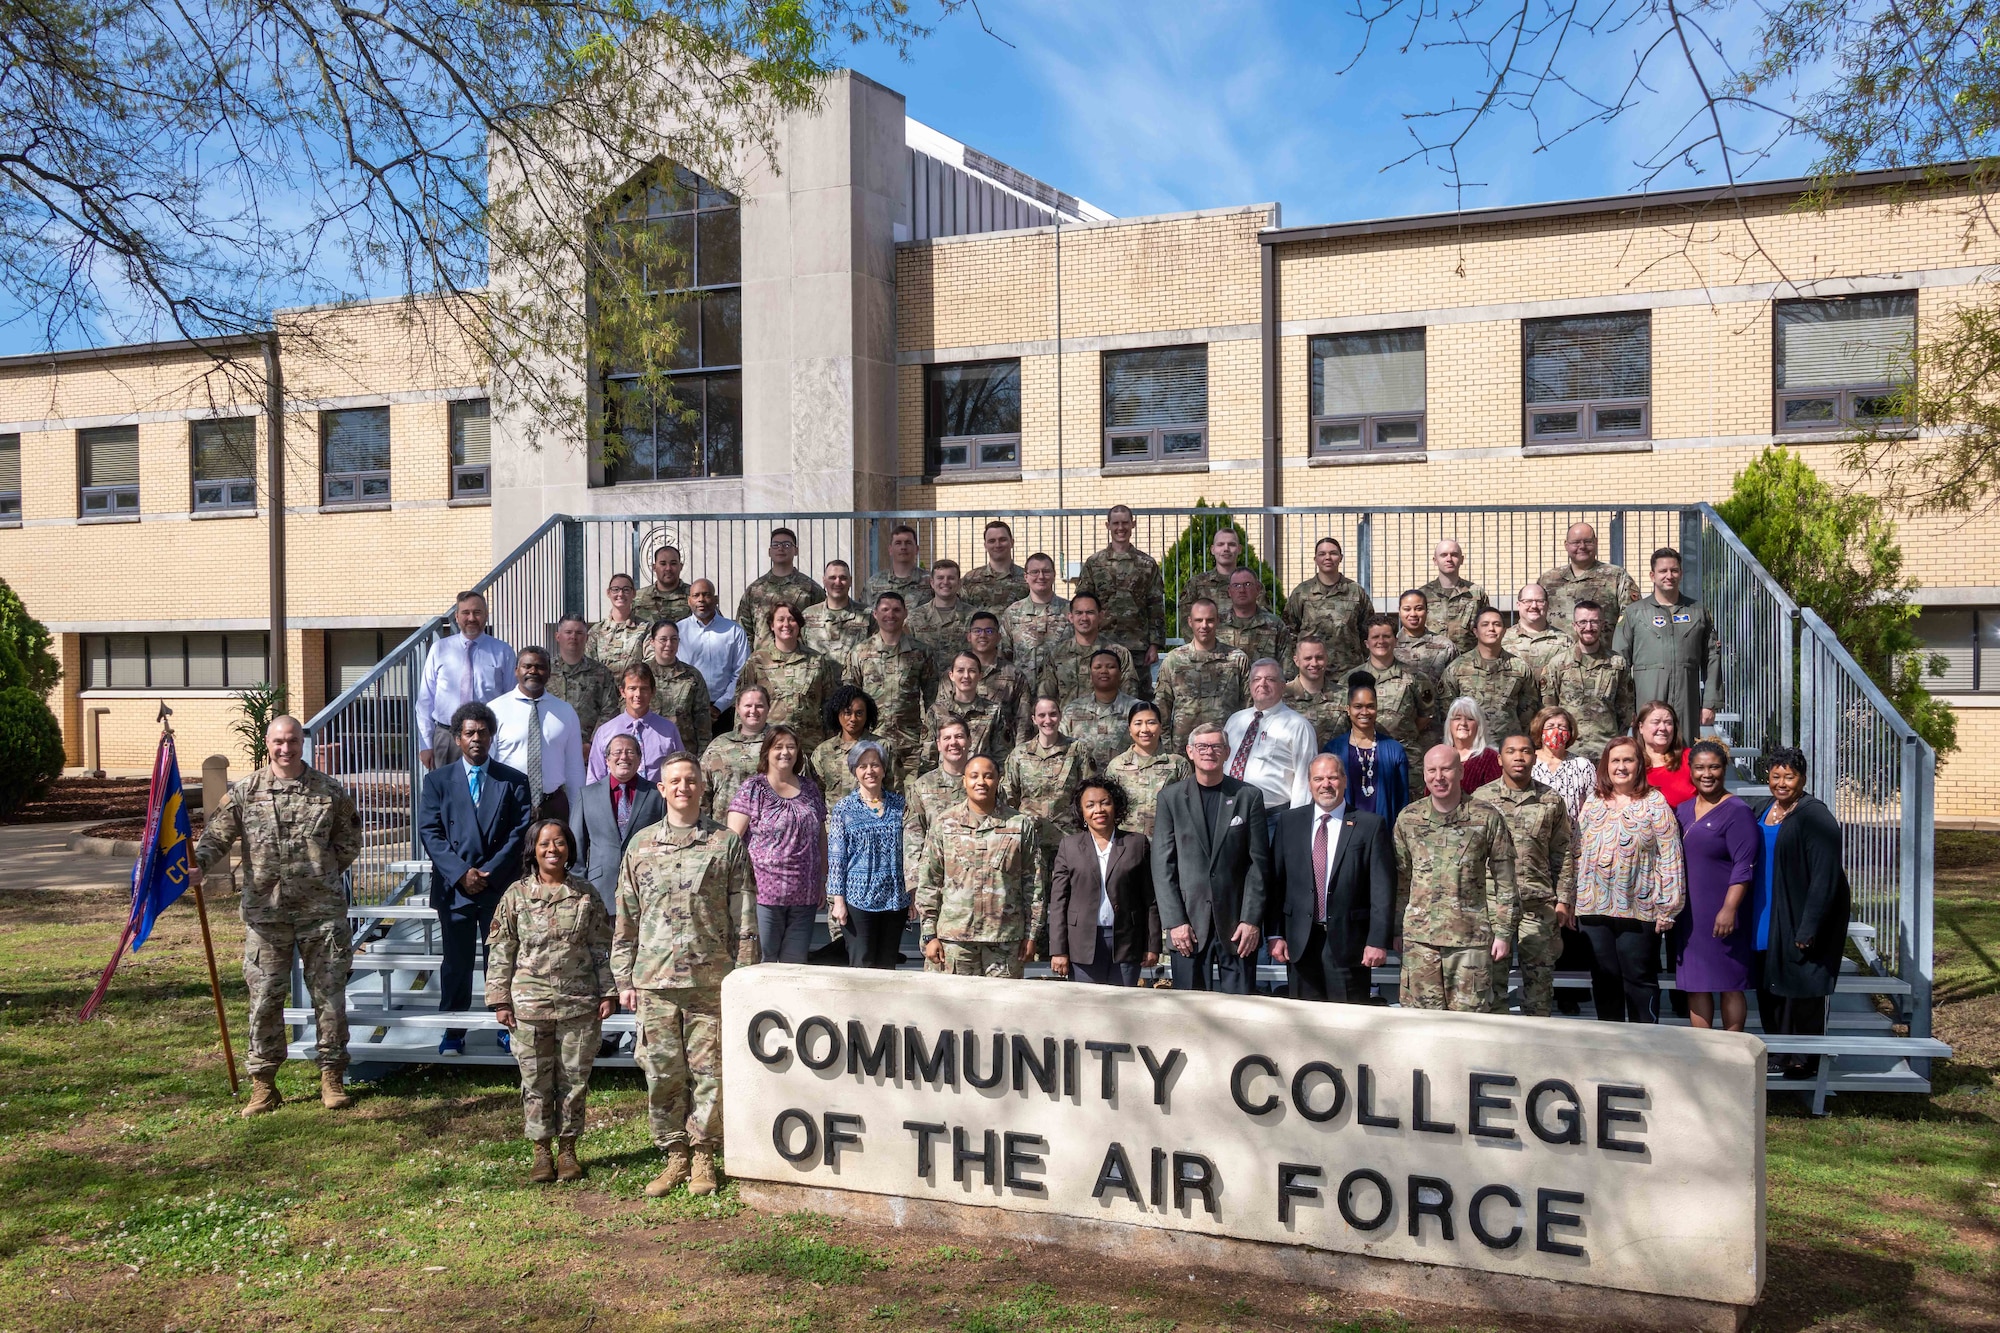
<point x="1333" y="876"/>
<point x="614" y="810"/>
<point x="474" y="820"/>
<point x="1211" y="854"/>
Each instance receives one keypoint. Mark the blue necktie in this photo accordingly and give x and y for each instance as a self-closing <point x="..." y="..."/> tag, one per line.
<point x="472" y="776"/>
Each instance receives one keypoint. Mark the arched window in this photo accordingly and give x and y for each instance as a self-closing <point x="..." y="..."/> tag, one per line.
<point x="668" y="331"/>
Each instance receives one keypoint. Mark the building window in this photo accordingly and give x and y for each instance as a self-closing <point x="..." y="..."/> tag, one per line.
<point x="108" y="471"/>
<point x="354" y="466"/>
<point x="1156" y="405"/>
<point x="352" y="653"/>
<point x="672" y="264"/>
<point x="1839" y="362"/>
<point x="233" y="661"/>
<point x="1969" y="641"/>
<point x="1588" y="377"/>
<point x="10" y="481"/>
<point x="471" y="449"/>
<point x="224" y="463"/>
<point x="1368" y="392"/>
<point x="974" y="414"/>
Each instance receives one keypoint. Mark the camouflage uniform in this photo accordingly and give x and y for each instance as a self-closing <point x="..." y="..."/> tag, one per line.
<point x="1335" y="612"/>
<point x="1030" y="630"/>
<point x="1214" y="585"/>
<point x="753" y="609"/>
<point x="943" y="631"/>
<point x="589" y="687"/>
<point x="915" y="588"/>
<point x="1448" y="916"/>
<point x="727" y="762"/>
<point x="1098" y="729"/>
<point x="984" y="718"/>
<point x="687" y="914"/>
<point x="548" y="958"/>
<point x="1544" y="876"/>
<point x="799" y="684"/>
<point x="299" y="837"/>
<point x="1142" y="777"/>
<point x="617" y="644"/>
<point x="928" y="796"/>
<point x="1010" y="687"/>
<point x="1198" y="685"/>
<point x="1535" y="647"/>
<point x="1504" y="689"/>
<point x="1038" y="780"/>
<point x="1607" y="585"/>
<point x="829" y="767"/>
<point x="1066" y="671"/>
<point x="1132" y="596"/>
<point x="1263" y="635"/>
<point x="680" y="695"/>
<point x="1452" y="612"/>
<point x="1325" y="709"/>
<point x="1406" y="706"/>
<point x="982" y="888"/>
<point x="833" y="630"/>
<point x="902" y="682"/>
<point x="1597" y="690"/>
<point x="983" y="590"/>
<point x="1429" y="652"/>
<point x="657" y="604"/>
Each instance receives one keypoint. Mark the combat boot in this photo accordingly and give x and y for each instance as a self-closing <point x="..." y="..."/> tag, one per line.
<point x="567" y="1167"/>
<point x="333" y="1094"/>
<point x="264" y="1096"/>
<point x="676" y="1171"/>
<point x="701" y="1180"/>
<point x="544" y="1172"/>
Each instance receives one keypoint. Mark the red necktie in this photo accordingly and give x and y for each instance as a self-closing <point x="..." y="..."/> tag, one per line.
<point x="1242" y="759"/>
<point x="1319" y="861"/>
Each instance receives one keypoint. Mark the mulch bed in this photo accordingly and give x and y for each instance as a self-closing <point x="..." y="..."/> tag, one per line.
<point x="86" y="798"/>
<point x="131" y="830"/>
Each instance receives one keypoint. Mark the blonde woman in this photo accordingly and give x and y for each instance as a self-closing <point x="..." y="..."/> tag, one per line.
<point x="1631" y="882"/>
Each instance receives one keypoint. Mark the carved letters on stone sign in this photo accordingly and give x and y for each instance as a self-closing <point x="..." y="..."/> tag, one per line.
<point x="1611" y="1154"/>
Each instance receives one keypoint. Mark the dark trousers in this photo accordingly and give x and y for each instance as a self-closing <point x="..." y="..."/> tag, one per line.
<point x="1103" y="969"/>
<point x="1317" y="975"/>
<point x="462" y="939"/>
<point x="874" y="939"/>
<point x="1215" y="966"/>
<point x="784" y="934"/>
<point x="1624" y="969"/>
<point x="1576" y="956"/>
<point x="1783" y="1017"/>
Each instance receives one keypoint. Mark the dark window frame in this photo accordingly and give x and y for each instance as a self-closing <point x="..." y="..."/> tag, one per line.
<point x="469" y="481"/>
<point x="1846" y="398"/>
<point x="1155" y="452"/>
<point x="95" y="650"/>
<point x="120" y="499"/>
<point x="1587" y="427"/>
<point x="976" y="447"/>
<point x="10" y="500"/>
<point x="361" y="480"/>
<point x="1368" y="425"/>
<point x="237" y="493"/>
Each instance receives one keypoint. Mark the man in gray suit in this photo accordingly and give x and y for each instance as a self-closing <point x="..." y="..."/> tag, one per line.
<point x="614" y="810"/>
<point x="1211" y="853"/>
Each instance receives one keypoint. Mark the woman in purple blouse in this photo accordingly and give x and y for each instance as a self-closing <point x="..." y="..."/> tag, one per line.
<point x="1714" y="943"/>
<point x="781" y="817"/>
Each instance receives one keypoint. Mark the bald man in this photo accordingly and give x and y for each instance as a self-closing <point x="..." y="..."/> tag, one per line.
<point x="1453" y="927"/>
<point x="1585" y="578"/>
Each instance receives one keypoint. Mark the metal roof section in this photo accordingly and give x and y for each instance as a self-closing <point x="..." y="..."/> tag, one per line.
<point x="950" y="189"/>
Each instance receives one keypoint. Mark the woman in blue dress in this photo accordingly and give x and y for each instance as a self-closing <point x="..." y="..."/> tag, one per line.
<point x="1378" y="769"/>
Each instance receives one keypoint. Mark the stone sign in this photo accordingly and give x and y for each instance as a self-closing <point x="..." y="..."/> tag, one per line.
<point x="1612" y="1155"/>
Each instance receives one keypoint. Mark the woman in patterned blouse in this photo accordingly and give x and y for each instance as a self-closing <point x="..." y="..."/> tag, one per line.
<point x="781" y="816"/>
<point x="1571" y="775"/>
<point x="1631" y="882"/>
<point x="866" y="893"/>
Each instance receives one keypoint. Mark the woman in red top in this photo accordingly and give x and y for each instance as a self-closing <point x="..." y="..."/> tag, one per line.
<point x="1659" y="733"/>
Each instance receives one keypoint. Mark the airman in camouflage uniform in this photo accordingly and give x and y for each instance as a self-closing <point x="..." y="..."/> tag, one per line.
<point x="1213" y="583"/>
<point x="988" y="727"/>
<point x="1037" y="779"/>
<point x="1428" y="653"/>
<point x="299" y="836"/>
<point x="1007" y="685"/>
<point x="1325" y="708"/>
<point x="1452" y="611"/>
<point x="1444" y="863"/>
<point x="929" y="794"/>
<point x="915" y="586"/>
<point x="1130" y="594"/>
<point x="548" y="959"/>
<point x="617" y="643"/>
<point x="658" y="603"/>
<point x="1066" y="670"/>
<point x="1596" y="688"/>
<point x="835" y="630"/>
<point x="1406" y="705"/>
<point x="1335" y="611"/>
<point x="942" y="630"/>
<point x="799" y="683"/>
<point x="587" y="686"/>
<point x="902" y="681"/>
<point x="1503" y="687"/>
<point x="1144" y="776"/>
<point x="1544" y="877"/>
<point x="984" y="590"/>
<point x="1030" y="629"/>
<point x="680" y="695"/>
<point x="982" y="888"/>
<point x="1263" y="635"/>
<point x="727" y="762"/>
<point x="687" y="915"/>
<point x="1585" y="578"/>
<point x="1198" y="685"/>
<point x="753" y="610"/>
<point x="1096" y="727"/>
<point x="1535" y="647"/>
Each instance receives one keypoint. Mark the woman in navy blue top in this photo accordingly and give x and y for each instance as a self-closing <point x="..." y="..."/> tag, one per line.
<point x="866" y="894"/>
<point x="1378" y="769"/>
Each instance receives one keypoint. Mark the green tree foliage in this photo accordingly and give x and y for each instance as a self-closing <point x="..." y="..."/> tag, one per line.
<point x="24" y="642"/>
<point x="1191" y="556"/>
<point x="31" y="747"/>
<point x="256" y="708"/>
<point x="1835" y="552"/>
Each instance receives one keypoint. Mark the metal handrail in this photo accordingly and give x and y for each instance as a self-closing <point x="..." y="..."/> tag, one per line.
<point x="1728" y="537"/>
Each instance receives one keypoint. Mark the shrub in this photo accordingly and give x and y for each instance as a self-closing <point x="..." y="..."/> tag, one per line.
<point x="29" y="641"/>
<point x="257" y="707"/>
<point x="31" y="748"/>
<point x="1190" y="556"/>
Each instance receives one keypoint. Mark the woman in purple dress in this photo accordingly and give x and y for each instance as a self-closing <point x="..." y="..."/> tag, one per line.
<point x="1714" y="943"/>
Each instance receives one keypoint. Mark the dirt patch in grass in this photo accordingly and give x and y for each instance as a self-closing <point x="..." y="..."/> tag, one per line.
<point x="87" y="798"/>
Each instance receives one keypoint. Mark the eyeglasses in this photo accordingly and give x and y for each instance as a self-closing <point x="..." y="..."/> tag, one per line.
<point x="1208" y="747"/>
<point x="982" y="629"/>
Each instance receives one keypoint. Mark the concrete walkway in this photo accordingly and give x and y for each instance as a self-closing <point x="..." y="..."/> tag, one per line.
<point x="38" y="857"/>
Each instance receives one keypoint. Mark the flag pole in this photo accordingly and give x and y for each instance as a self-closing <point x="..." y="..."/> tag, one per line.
<point x="208" y="944"/>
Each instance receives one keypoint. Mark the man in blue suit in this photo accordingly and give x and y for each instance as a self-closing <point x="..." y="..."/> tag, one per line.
<point x="474" y="820"/>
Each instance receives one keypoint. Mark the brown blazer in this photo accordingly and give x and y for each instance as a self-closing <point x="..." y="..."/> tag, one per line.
<point x="1075" y="891"/>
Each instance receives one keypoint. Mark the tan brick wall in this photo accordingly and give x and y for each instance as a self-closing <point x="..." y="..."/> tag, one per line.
<point x="1968" y="785"/>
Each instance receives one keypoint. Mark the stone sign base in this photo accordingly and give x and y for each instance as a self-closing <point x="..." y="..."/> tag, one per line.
<point x="1307" y="1266"/>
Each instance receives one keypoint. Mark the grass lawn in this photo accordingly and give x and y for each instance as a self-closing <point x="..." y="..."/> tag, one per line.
<point x="133" y="1197"/>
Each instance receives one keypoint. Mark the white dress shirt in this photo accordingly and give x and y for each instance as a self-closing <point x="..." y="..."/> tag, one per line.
<point x="1106" y="918"/>
<point x="1281" y="759"/>
<point x="1336" y="819"/>
<point x="718" y="651"/>
<point x="457" y="671"/>
<point x="562" y="743"/>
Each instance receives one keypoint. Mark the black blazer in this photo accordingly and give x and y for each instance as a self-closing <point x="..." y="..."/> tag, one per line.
<point x="457" y="837"/>
<point x="1809" y="897"/>
<point x="1361" y="900"/>
<point x="1212" y="884"/>
<point x="603" y="845"/>
<point x="1075" y="891"/>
